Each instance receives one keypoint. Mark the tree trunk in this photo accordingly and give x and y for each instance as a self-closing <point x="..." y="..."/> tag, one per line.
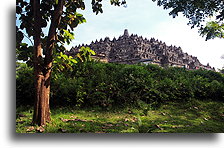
<point x="41" y="107"/>
<point x="43" y="71"/>
<point x="49" y="52"/>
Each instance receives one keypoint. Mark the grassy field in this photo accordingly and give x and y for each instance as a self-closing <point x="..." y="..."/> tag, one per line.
<point x="191" y="117"/>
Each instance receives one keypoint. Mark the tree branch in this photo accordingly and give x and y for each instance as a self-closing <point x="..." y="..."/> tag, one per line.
<point x="55" y="21"/>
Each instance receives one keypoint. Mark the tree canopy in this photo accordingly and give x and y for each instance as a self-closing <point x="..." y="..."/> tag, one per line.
<point x="69" y="20"/>
<point x="199" y="12"/>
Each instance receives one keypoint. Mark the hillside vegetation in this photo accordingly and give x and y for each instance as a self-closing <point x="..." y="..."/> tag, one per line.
<point x="107" y="85"/>
<point x="104" y="98"/>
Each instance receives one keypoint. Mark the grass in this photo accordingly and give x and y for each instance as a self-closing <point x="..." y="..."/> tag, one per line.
<point x="191" y="117"/>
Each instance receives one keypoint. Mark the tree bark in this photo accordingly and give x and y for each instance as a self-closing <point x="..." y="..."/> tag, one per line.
<point x="39" y="104"/>
<point x="49" y="52"/>
<point x="43" y="71"/>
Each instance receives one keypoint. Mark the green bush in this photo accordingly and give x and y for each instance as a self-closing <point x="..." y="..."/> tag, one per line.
<point x="24" y="85"/>
<point x="108" y="85"/>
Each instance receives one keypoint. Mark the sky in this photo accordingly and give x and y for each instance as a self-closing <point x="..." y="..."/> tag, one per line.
<point x="146" y="19"/>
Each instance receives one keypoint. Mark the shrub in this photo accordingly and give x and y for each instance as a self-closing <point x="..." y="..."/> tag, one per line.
<point x="107" y="85"/>
<point x="24" y="85"/>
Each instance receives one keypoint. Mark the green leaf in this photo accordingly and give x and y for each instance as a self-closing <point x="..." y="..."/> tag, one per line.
<point x="74" y="61"/>
<point x="23" y="44"/>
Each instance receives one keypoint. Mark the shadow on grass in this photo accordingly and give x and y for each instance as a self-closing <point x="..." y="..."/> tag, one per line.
<point x="89" y="124"/>
<point x="193" y="117"/>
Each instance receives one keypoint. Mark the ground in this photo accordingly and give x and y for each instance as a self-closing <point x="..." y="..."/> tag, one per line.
<point x="179" y="117"/>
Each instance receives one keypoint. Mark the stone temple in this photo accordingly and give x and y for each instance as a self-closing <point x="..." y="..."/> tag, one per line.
<point x="133" y="49"/>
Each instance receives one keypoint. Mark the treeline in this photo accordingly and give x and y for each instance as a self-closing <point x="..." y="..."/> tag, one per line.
<point x="108" y="85"/>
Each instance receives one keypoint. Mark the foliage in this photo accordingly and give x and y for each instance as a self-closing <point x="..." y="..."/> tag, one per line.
<point x="85" y="54"/>
<point x="63" y="64"/>
<point x="212" y="30"/>
<point x="222" y="70"/>
<point x="108" y="85"/>
<point x="199" y="11"/>
<point x="24" y="85"/>
<point x="70" y="19"/>
<point x="25" y="28"/>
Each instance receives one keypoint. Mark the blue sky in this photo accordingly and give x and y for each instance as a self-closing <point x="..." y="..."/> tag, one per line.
<point x="146" y="19"/>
